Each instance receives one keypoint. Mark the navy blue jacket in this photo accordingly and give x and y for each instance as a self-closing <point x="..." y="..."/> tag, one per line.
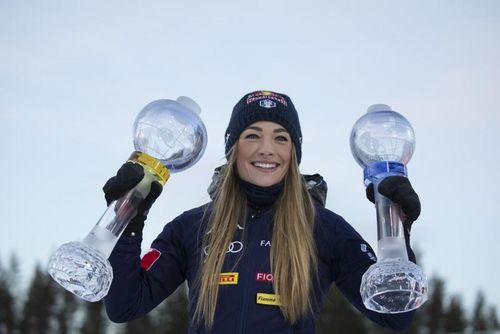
<point x="139" y="286"/>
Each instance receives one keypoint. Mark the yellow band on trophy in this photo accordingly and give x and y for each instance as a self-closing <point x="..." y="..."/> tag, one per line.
<point x="154" y="165"/>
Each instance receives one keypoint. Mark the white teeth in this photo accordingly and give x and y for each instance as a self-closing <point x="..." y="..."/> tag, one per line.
<point x="264" y="165"/>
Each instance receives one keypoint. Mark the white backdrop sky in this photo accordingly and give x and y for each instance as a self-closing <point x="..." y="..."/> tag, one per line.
<point x="74" y="74"/>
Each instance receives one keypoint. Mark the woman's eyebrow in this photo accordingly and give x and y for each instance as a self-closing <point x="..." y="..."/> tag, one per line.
<point x="256" y="128"/>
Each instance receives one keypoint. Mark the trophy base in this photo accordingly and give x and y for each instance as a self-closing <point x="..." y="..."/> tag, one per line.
<point x="81" y="270"/>
<point x="393" y="286"/>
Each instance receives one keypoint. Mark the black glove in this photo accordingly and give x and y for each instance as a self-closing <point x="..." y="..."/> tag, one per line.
<point x="399" y="190"/>
<point x="127" y="177"/>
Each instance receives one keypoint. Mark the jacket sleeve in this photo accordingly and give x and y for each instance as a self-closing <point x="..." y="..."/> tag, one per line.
<point x="353" y="256"/>
<point x="138" y="285"/>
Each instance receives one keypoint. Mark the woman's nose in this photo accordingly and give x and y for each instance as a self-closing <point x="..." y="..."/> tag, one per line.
<point x="266" y="147"/>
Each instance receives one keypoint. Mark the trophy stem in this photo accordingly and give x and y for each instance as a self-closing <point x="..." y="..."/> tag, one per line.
<point x="391" y="242"/>
<point x="393" y="284"/>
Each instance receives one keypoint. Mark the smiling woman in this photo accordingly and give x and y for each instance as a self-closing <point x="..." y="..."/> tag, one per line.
<point x="261" y="256"/>
<point x="263" y="153"/>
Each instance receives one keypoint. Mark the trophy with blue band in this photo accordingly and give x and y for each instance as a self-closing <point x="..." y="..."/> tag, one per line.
<point x="382" y="142"/>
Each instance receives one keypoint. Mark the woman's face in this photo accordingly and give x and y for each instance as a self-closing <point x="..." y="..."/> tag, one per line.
<point x="263" y="153"/>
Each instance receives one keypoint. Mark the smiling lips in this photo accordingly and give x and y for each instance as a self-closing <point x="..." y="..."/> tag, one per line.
<point x="265" y="166"/>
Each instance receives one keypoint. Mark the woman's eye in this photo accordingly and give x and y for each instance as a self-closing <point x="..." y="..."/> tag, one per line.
<point x="281" y="138"/>
<point x="251" y="136"/>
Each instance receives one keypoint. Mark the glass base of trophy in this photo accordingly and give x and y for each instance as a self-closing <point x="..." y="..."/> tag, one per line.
<point x="393" y="286"/>
<point x="81" y="270"/>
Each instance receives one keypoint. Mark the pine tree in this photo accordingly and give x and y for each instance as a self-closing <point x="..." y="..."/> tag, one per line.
<point x="419" y="320"/>
<point x="454" y="318"/>
<point x="171" y="317"/>
<point x="13" y="277"/>
<point x="338" y="316"/>
<point x="140" y="326"/>
<point x="39" y="305"/>
<point x="479" y="322"/>
<point x="415" y="327"/>
<point x="94" y="321"/>
<point x="493" y="323"/>
<point x="435" y="307"/>
<point x="66" y="306"/>
<point x="7" y="304"/>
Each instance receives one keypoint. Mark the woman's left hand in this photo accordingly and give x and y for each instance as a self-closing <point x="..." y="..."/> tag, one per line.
<point x="399" y="190"/>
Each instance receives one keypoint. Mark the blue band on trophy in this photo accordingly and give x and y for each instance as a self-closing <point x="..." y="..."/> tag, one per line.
<point x="381" y="169"/>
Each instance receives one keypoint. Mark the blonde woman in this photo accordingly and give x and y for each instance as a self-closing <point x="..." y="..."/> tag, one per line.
<point x="261" y="256"/>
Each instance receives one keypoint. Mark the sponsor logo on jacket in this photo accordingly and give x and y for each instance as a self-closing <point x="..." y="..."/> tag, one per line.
<point x="234" y="247"/>
<point x="364" y="249"/>
<point x="265" y="243"/>
<point x="264" y="277"/>
<point x="268" y="299"/>
<point x="228" y="278"/>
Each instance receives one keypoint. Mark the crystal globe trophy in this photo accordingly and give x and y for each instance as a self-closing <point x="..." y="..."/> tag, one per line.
<point x="169" y="136"/>
<point x="382" y="142"/>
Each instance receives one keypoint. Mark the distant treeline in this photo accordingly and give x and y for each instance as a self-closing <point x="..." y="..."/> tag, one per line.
<point x="45" y="307"/>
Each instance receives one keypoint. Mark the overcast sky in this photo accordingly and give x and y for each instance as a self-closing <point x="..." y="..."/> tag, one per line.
<point x="74" y="74"/>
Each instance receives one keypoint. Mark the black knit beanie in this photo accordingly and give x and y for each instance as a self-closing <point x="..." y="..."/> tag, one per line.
<point x="264" y="106"/>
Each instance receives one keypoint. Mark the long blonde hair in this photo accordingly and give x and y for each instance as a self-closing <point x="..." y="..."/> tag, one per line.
<point x="293" y="251"/>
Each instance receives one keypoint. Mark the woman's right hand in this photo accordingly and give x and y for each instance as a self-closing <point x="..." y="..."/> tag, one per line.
<point x="127" y="177"/>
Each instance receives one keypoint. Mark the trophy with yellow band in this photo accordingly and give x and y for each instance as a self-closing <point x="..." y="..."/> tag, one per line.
<point x="169" y="137"/>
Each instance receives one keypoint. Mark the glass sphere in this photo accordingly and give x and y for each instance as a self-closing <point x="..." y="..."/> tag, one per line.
<point x="382" y="135"/>
<point x="172" y="132"/>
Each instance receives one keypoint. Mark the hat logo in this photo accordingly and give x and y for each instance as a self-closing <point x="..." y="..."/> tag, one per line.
<point x="267" y="104"/>
<point x="264" y="95"/>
